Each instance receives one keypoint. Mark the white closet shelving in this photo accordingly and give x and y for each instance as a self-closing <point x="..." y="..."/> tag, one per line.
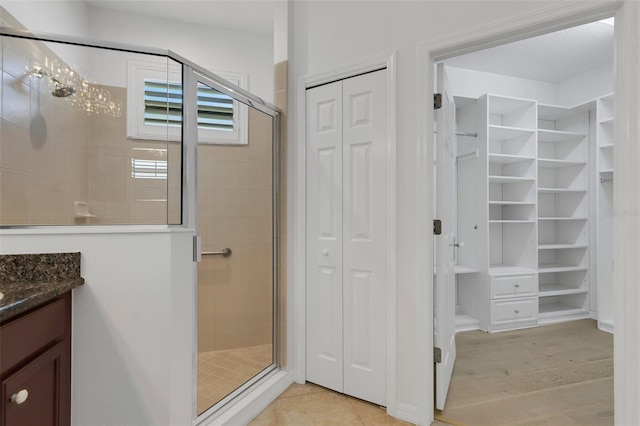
<point x="468" y="269"/>
<point x="604" y="202"/>
<point x="530" y="226"/>
<point x="507" y="133"/>
<point x="563" y="212"/>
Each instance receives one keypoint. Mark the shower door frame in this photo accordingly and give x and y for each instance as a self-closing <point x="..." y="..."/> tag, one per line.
<point x="192" y="75"/>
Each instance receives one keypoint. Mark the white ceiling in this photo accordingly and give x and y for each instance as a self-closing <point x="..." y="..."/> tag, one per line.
<point x="255" y="16"/>
<point x="551" y="57"/>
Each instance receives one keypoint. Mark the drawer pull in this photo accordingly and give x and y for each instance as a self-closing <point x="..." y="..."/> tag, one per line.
<point x="20" y="397"/>
<point x="516" y="311"/>
<point x="516" y="285"/>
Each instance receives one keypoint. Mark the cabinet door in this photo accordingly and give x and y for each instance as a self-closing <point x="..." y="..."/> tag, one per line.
<point x="42" y="379"/>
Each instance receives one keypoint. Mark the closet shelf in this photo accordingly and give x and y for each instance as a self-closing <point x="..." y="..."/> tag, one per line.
<point x="549" y="310"/>
<point x="509" y="179"/>
<point x="561" y="246"/>
<point x="511" y="203"/>
<point x="512" y="221"/>
<point x="562" y="218"/>
<point x="505" y="104"/>
<point x="461" y="269"/>
<point x="552" y="267"/>
<point x="498" y="270"/>
<point x="608" y="121"/>
<point x="466" y="323"/>
<point x="553" y="163"/>
<point x="555" y="112"/>
<point x="545" y="135"/>
<point x="505" y="132"/>
<point x="559" y="190"/>
<point x="507" y="159"/>
<point x="607" y="146"/>
<point x="548" y="290"/>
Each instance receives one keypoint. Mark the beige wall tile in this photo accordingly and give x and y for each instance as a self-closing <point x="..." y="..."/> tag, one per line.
<point x="16" y="56"/>
<point x="280" y="76"/>
<point x="14" y="191"/>
<point x="15" y="100"/>
<point x="14" y="147"/>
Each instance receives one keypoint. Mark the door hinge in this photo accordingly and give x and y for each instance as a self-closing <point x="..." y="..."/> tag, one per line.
<point x="437" y="227"/>
<point x="437" y="100"/>
<point x="437" y="355"/>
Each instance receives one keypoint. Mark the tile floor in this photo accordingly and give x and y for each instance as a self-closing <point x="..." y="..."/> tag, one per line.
<point x="221" y="372"/>
<point x="310" y="404"/>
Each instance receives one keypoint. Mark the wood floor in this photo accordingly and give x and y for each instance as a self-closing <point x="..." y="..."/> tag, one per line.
<point x="560" y="374"/>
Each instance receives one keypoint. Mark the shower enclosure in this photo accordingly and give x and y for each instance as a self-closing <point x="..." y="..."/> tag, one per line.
<point x="117" y="135"/>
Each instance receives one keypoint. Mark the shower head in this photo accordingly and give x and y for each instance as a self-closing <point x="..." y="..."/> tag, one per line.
<point x="62" y="91"/>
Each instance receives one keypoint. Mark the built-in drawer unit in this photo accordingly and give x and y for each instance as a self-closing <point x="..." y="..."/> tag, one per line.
<point x="512" y="286"/>
<point x="514" y="313"/>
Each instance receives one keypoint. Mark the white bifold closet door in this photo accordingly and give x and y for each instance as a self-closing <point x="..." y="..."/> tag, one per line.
<point x="347" y="201"/>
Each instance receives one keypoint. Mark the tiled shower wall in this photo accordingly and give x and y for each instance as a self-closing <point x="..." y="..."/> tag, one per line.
<point x="118" y="197"/>
<point x="44" y="143"/>
<point x="53" y="154"/>
<point x="235" y="211"/>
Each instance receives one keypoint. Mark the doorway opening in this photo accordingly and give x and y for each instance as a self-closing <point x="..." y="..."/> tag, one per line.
<point x="531" y="155"/>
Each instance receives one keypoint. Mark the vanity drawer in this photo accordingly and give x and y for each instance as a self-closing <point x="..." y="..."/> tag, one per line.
<point x="514" y="310"/>
<point x="512" y="286"/>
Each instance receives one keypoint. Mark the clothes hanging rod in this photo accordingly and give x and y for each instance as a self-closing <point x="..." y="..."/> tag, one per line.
<point x="473" y="135"/>
<point x="467" y="155"/>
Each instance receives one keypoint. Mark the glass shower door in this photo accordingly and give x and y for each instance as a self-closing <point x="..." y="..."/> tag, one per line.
<point x="236" y="314"/>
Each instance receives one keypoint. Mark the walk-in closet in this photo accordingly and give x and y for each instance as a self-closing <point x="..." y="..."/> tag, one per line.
<point x="534" y="176"/>
<point x="532" y="208"/>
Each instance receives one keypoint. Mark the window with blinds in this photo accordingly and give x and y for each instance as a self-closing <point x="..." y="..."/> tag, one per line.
<point x="163" y="106"/>
<point x="155" y="101"/>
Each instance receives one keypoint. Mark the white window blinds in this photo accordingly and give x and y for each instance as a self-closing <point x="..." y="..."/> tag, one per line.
<point x="163" y="105"/>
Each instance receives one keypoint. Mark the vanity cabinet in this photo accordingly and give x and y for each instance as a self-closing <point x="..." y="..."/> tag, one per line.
<point x="35" y="349"/>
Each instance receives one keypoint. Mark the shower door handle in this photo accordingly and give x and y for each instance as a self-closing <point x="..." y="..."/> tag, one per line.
<point x="226" y="252"/>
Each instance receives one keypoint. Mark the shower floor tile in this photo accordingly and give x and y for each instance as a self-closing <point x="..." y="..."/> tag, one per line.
<point x="222" y="372"/>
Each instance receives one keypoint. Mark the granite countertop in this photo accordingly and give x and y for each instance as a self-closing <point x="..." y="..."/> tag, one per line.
<point x="29" y="280"/>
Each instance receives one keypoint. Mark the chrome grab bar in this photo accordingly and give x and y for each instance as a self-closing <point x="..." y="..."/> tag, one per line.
<point x="224" y="253"/>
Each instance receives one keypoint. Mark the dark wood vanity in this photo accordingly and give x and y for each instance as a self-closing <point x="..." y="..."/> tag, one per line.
<point x="35" y="349"/>
<point x="35" y="338"/>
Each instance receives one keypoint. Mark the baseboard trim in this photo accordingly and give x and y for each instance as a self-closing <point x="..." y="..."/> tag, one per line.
<point x="407" y="412"/>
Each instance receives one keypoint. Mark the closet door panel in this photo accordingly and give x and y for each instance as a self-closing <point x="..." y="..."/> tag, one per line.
<point x="324" y="325"/>
<point x="365" y="235"/>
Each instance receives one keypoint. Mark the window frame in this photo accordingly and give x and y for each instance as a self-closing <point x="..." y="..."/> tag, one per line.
<point x="140" y="70"/>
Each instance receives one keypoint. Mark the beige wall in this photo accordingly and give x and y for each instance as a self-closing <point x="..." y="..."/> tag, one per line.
<point x="116" y="197"/>
<point x="53" y="154"/>
<point x="44" y="143"/>
<point x="235" y="211"/>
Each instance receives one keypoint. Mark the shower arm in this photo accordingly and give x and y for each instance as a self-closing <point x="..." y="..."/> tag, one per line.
<point x="39" y="72"/>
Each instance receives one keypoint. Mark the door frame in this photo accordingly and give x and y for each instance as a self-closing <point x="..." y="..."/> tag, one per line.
<point x="546" y="20"/>
<point x="384" y="60"/>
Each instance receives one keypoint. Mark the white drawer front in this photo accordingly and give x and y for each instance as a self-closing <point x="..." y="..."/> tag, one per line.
<point x="513" y="286"/>
<point x="514" y="310"/>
